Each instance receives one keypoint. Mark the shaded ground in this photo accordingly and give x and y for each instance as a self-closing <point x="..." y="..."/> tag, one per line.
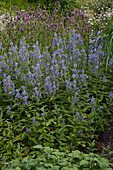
<point x="106" y="141"/>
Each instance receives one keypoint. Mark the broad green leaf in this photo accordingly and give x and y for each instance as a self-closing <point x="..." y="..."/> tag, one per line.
<point x="50" y="165"/>
<point x="48" y="150"/>
<point x="103" y="165"/>
<point x="17" y="168"/>
<point x="84" y="163"/>
<point x="66" y="168"/>
<point x="75" y="154"/>
<point x="56" y="167"/>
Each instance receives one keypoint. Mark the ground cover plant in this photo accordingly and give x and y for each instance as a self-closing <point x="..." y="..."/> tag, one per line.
<point x="49" y="158"/>
<point x="54" y="88"/>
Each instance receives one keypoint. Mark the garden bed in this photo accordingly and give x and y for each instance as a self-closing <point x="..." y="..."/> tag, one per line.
<point x="54" y="88"/>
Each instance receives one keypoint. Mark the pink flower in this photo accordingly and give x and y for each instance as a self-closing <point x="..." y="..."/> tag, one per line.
<point x="83" y="15"/>
<point x="23" y="14"/>
<point x="79" y="12"/>
<point x="63" y="35"/>
<point x="21" y="29"/>
<point x="57" y="30"/>
<point x="28" y="9"/>
<point x="13" y="39"/>
<point x="61" y="24"/>
<point x="26" y="19"/>
<point x="73" y="12"/>
<point x="15" y="7"/>
<point x="67" y="17"/>
<point x="55" y="11"/>
<point x="28" y="23"/>
<point x="68" y="28"/>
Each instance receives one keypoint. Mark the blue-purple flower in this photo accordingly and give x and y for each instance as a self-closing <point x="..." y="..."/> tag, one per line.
<point x="111" y="94"/>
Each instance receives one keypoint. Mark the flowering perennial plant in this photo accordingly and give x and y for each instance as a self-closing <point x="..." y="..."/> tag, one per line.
<point x="49" y="94"/>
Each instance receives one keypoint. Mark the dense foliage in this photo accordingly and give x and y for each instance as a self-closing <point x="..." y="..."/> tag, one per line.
<point x="55" y="91"/>
<point x="49" y="158"/>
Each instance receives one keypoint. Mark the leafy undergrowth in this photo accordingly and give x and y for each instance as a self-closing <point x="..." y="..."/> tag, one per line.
<point x="47" y="158"/>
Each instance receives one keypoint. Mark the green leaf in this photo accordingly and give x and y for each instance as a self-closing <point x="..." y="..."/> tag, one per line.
<point x="41" y="136"/>
<point x="56" y="167"/>
<point x="111" y="152"/>
<point x="49" y="165"/>
<point x="84" y="162"/>
<point x="65" y="168"/>
<point x="40" y="130"/>
<point x="24" y="135"/>
<point x="75" y="167"/>
<point x="34" y="140"/>
<point x="75" y="154"/>
<point x="48" y="150"/>
<point x="38" y="147"/>
<point x="4" y="133"/>
<point x="26" y="150"/>
<point x="17" y="168"/>
<point x="66" y="127"/>
<point x="15" y="105"/>
<point x="49" y="122"/>
<point x="103" y="165"/>
<point x="41" y="168"/>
